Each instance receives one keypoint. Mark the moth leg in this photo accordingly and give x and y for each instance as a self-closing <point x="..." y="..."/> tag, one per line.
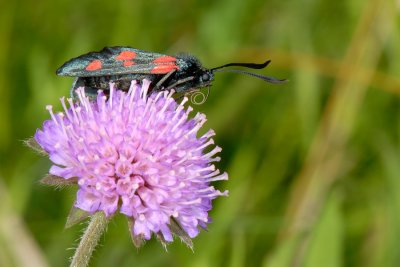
<point x="164" y="78"/>
<point x="179" y="82"/>
<point x="89" y="91"/>
<point x="75" y="85"/>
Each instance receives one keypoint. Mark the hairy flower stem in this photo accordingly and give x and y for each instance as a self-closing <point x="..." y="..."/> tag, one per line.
<point x="89" y="240"/>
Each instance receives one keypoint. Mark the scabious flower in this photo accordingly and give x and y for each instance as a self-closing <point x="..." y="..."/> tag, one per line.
<point x="137" y="154"/>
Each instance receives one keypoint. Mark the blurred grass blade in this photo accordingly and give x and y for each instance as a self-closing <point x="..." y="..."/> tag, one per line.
<point x="19" y="245"/>
<point x="327" y="158"/>
<point x="327" y="241"/>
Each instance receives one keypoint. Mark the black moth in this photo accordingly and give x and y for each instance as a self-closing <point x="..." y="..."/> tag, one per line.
<point x="183" y="73"/>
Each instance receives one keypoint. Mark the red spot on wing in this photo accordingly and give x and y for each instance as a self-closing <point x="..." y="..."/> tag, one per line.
<point x="128" y="63"/>
<point x="164" y="68"/>
<point x="164" y="59"/>
<point x="126" y="55"/>
<point x="94" y="65"/>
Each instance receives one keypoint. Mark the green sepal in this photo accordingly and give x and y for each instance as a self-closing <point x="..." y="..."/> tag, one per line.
<point x="31" y="143"/>
<point x="138" y="240"/>
<point x="177" y="230"/>
<point x="58" y="181"/>
<point x="76" y="216"/>
<point x="162" y="240"/>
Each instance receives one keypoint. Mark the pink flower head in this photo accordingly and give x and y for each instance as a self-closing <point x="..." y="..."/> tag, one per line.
<point x="136" y="153"/>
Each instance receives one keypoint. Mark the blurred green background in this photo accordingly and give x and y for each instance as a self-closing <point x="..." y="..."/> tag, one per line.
<point x="314" y="164"/>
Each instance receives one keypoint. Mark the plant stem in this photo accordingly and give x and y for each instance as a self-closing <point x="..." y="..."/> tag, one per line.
<point x="89" y="240"/>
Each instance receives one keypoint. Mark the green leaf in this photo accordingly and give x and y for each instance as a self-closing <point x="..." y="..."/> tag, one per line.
<point x="283" y="254"/>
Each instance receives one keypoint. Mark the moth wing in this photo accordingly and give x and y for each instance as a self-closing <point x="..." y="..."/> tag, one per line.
<point x="118" y="60"/>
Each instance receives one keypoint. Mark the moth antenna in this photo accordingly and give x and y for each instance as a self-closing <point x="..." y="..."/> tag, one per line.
<point x="246" y="65"/>
<point x="262" y="77"/>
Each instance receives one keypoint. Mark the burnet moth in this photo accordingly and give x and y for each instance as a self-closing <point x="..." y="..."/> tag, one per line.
<point x="120" y="64"/>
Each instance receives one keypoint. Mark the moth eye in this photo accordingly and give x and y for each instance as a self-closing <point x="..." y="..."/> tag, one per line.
<point x="205" y="77"/>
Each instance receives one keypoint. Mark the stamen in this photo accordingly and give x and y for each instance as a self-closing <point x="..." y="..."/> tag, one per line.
<point x="196" y="173"/>
<point x="194" y="129"/>
<point x="209" y="142"/>
<point x="183" y="118"/>
<point x="149" y="102"/>
<point x="168" y="101"/>
<point x="50" y="110"/>
<point x="217" y="193"/>
<point x="222" y="177"/>
<point x="98" y="186"/>
<point x="208" y="134"/>
<point x="150" y="118"/>
<point x="216" y="150"/>
<point x="110" y="99"/>
<point x="177" y="112"/>
<point x="85" y="101"/>
<point x="159" y="94"/>
<point x="183" y="159"/>
<point x="207" y="189"/>
<point x="79" y="93"/>
<point x="78" y="112"/>
<point x="103" y="107"/>
<point x="71" y="104"/>
<point x="195" y="201"/>
<point x="216" y="159"/>
<point x="121" y="102"/>
<point x="142" y="217"/>
<point x="131" y="93"/>
<point x="184" y="100"/>
<point x="211" y="174"/>
<point x="67" y="112"/>
<point x="61" y="117"/>
<point x="145" y="88"/>
<point x="171" y="92"/>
